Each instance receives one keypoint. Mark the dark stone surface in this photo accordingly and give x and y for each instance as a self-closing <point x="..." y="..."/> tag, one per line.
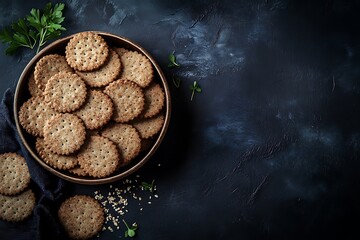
<point x="270" y="148"/>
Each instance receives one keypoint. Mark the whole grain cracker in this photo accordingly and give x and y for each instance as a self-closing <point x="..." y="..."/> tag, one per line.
<point x="81" y="216"/>
<point x="105" y="74"/>
<point x="32" y="87"/>
<point x="79" y="171"/>
<point x="128" y="99"/>
<point x="18" y="207"/>
<point x="126" y="138"/>
<point x="61" y="162"/>
<point x="86" y="51"/>
<point x="65" y="92"/>
<point x="148" y="127"/>
<point x="120" y="51"/>
<point x="64" y="134"/>
<point x="137" y="67"/>
<point x="154" y="100"/>
<point x="99" y="156"/>
<point x="34" y="113"/>
<point x="97" y="110"/>
<point x="14" y="174"/>
<point x="48" y="66"/>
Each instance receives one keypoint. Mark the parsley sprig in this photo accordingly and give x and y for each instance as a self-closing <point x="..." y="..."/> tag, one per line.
<point x="149" y="186"/>
<point x="35" y="29"/>
<point x="130" y="231"/>
<point x="195" y="87"/>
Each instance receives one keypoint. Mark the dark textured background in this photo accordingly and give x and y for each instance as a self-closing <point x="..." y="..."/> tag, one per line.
<point x="270" y="148"/>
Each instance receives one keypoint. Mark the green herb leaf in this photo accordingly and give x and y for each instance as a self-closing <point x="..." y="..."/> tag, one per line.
<point x="172" y="60"/>
<point x="176" y="81"/>
<point x="130" y="231"/>
<point x="148" y="186"/>
<point x="36" y="28"/>
<point x="195" y="87"/>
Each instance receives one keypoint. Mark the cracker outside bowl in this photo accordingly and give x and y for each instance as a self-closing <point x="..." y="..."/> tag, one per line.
<point x="22" y="94"/>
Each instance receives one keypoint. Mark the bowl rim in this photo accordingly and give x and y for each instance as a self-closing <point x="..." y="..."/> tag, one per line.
<point x="95" y="181"/>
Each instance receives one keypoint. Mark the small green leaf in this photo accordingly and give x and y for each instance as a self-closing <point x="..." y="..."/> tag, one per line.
<point x="195" y="87"/>
<point x="148" y="186"/>
<point x="5" y="36"/>
<point x="130" y="231"/>
<point x="20" y="39"/>
<point x="172" y="60"/>
<point x="176" y="81"/>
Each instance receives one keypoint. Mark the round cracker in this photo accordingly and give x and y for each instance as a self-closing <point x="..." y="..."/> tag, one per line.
<point x="65" y="92"/>
<point x="148" y="127"/>
<point x="34" y="113"/>
<point x="137" y="68"/>
<point x="79" y="171"/>
<point x="128" y="99"/>
<point x="120" y="51"/>
<point x="14" y="174"/>
<point x="154" y="100"/>
<point x="105" y="74"/>
<point x="64" y="133"/>
<point x="126" y="138"/>
<point x="81" y="216"/>
<point x="17" y="208"/>
<point x="33" y="88"/>
<point x="86" y="51"/>
<point x="48" y="66"/>
<point x="97" y="110"/>
<point x="57" y="161"/>
<point x="99" y="157"/>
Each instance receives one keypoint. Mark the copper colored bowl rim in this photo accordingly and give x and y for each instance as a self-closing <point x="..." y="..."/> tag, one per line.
<point x="117" y="176"/>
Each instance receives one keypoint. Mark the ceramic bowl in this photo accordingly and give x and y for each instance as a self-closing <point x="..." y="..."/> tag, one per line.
<point x="22" y="94"/>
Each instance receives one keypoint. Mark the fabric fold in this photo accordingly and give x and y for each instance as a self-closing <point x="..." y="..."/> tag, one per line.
<point x="43" y="223"/>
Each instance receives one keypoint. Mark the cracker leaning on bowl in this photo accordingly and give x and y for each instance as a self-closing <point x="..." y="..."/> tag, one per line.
<point x="112" y="86"/>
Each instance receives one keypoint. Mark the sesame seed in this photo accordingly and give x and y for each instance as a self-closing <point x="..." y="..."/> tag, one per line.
<point x="116" y="200"/>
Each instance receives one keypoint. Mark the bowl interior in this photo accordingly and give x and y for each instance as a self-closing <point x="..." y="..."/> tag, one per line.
<point x="22" y="94"/>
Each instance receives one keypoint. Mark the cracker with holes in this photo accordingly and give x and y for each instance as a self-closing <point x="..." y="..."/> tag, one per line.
<point x="65" y="92"/>
<point x="79" y="171"/>
<point x="99" y="157"/>
<point x="97" y="110"/>
<point x="18" y="207"/>
<point x="126" y="138"/>
<point x="86" y="51"/>
<point x="128" y="99"/>
<point x="64" y="134"/>
<point x="137" y="68"/>
<point x="105" y="74"/>
<point x="34" y="113"/>
<point x="14" y="174"/>
<point x="61" y="162"/>
<point x="47" y="67"/>
<point x="81" y="216"/>
<point x="154" y="100"/>
<point x="33" y="88"/>
<point x="148" y="127"/>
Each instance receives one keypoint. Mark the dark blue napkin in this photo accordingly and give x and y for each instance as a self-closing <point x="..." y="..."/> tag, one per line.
<point x="43" y="223"/>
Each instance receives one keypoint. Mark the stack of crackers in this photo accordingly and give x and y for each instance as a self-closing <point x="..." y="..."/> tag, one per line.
<point x="17" y="200"/>
<point x="93" y="109"/>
